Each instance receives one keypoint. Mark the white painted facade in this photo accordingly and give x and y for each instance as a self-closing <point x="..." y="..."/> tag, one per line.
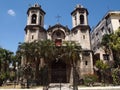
<point x="109" y="24"/>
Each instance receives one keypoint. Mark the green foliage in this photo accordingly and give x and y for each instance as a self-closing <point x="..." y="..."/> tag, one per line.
<point x="116" y="76"/>
<point x="32" y="53"/>
<point x="44" y="75"/>
<point x="12" y="75"/>
<point x="106" y="40"/>
<point x="6" y="58"/>
<point x="90" y="79"/>
<point x="101" y="65"/>
<point x="111" y="43"/>
<point x="2" y="76"/>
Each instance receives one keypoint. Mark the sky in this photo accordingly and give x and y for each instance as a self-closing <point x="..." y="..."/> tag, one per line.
<point x="13" y="17"/>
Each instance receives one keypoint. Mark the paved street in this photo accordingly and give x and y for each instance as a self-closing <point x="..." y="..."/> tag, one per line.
<point x="67" y="87"/>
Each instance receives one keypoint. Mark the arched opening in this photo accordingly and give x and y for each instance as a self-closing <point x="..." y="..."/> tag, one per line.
<point x="40" y="20"/>
<point x="58" y="72"/>
<point x="58" y="34"/>
<point x="81" y="19"/>
<point x="34" y="19"/>
<point x="75" y="20"/>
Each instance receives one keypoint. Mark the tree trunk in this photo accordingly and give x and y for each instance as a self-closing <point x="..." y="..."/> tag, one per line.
<point x="74" y="78"/>
<point x="37" y="71"/>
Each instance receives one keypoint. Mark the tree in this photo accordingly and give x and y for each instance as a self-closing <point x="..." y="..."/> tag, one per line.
<point x="102" y="68"/>
<point x="111" y="44"/>
<point x="72" y="51"/>
<point x="5" y="60"/>
<point x="25" y="53"/>
<point x="106" y="40"/>
<point x="115" y="45"/>
<point x="35" y="52"/>
<point x="116" y="76"/>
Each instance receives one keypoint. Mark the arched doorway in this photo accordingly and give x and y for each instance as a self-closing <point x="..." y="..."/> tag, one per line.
<point x="58" y="72"/>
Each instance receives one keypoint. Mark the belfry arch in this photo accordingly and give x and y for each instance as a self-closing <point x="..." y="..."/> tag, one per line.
<point x="81" y="19"/>
<point x="34" y="19"/>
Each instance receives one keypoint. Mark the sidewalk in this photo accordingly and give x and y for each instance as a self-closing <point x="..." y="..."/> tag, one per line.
<point x="100" y="88"/>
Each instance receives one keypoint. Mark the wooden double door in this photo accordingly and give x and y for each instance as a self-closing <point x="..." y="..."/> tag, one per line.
<point x="58" y="72"/>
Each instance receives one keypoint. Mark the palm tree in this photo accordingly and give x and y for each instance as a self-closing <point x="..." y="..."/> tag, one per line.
<point x="24" y="51"/>
<point x="72" y="53"/>
<point x="47" y="50"/>
<point x="38" y="51"/>
<point x="34" y="52"/>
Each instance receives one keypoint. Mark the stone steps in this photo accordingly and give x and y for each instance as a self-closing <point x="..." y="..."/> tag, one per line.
<point x="59" y="86"/>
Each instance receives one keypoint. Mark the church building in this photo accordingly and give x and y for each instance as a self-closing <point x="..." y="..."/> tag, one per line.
<point x="79" y="33"/>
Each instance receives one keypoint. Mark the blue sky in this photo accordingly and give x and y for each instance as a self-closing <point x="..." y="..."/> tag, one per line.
<point x="13" y="17"/>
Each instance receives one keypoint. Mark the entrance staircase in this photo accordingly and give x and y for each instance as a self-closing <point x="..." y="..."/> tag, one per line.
<point x="59" y="86"/>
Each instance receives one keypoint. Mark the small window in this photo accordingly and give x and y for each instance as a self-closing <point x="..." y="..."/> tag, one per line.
<point x="96" y="33"/>
<point x="102" y="29"/>
<point x="32" y="36"/>
<point x="106" y="57"/>
<point x="75" y="32"/>
<point x="109" y="30"/>
<point x="86" y="63"/>
<point x="83" y="36"/>
<point x="108" y="21"/>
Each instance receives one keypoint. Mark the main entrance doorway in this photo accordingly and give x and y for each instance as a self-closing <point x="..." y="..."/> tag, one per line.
<point x="58" y="72"/>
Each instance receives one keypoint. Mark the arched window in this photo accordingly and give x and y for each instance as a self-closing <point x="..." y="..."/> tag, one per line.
<point x="81" y="19"/>
<point x="34" y="18"/>
<point x="40" y="20"/>
<point x="75" y="20"/>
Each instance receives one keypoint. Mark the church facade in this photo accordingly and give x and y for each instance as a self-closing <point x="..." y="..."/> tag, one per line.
<point x="79" y="33"/>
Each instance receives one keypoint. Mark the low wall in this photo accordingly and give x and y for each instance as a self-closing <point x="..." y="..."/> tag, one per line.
<point x="100" y="88"/>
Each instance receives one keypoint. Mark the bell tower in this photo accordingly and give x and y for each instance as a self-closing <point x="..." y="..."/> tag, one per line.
<point x="81" y="34"/>
<point x="79" y="16"/>
<point x="35" y="24"/>
<point x="81" y="29"/>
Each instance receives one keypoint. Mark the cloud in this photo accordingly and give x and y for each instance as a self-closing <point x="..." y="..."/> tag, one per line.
<point x="11" y="12"/>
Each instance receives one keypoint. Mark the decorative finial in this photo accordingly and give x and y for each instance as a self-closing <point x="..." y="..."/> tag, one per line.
<point x="79" y="6"/>
<point x="58" y="18"/>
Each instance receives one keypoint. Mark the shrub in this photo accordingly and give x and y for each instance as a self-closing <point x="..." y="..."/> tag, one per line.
<point x="2" y="78"/>
<point x="116" y="76"/>
<point x="89" y="79"/>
